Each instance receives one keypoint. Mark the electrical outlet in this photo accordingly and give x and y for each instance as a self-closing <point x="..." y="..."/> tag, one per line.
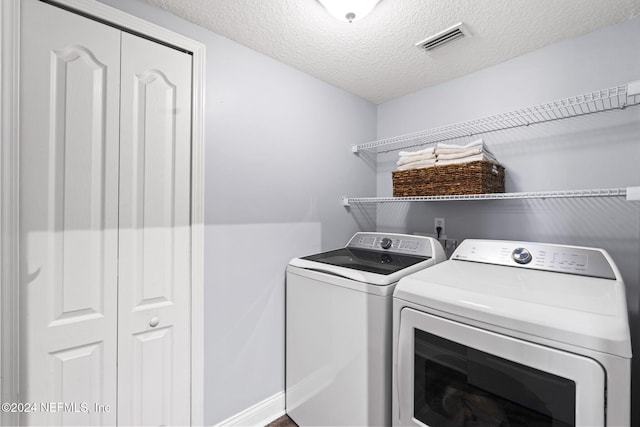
<point x="439" y="222"/>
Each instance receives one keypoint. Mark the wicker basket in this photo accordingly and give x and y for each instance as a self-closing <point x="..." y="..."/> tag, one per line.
<point x="478" y="177"/>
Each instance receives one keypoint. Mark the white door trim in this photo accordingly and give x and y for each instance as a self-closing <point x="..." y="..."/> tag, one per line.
<point x="9" y="266"/>
<point x="9" y="127"/>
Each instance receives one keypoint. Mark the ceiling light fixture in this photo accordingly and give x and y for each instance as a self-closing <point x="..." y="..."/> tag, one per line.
<point x="349" y="10"/>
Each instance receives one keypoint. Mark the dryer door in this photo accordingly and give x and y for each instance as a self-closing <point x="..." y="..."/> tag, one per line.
<point x="451" y="374"/>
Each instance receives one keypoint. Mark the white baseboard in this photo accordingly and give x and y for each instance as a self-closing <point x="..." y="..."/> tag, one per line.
<point x="258" y="415"/>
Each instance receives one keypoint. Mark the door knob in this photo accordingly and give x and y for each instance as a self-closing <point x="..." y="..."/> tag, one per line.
<point x="154" y="321"/>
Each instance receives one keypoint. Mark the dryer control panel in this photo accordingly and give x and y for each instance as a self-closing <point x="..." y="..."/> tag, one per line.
<point x="537" y="256"/>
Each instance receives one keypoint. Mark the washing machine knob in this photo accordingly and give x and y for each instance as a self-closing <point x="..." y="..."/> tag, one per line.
<point x="386" y="243"/>
<point x="521" y="255"/>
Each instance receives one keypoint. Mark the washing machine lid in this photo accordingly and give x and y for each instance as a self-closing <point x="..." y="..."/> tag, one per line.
<point x="574" y="308"/>
<point x="367" y="260"/>
<point x="376" y="258"/>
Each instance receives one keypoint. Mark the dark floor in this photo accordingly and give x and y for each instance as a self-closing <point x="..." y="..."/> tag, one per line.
<point x="283" y="421"/>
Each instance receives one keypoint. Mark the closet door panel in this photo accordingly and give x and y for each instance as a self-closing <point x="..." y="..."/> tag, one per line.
<point x="154" y="145"/>
<point x="152" y="373"/>
<point x="155" y="282"/>
<point x="69" y="215"/>
<point x="77" y="181"/>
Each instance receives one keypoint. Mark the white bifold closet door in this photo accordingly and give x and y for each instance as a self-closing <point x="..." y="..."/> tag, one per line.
<point x="104" y="224"/>
<point x="154" y="361"/>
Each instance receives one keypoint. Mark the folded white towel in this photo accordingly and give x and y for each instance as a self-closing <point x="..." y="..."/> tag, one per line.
<point x="451" y="153"/>
<point x="407" y="159"/>
<point x="469" y="145"/>
<point x="487" y="156"/>
<point x="428" y="150"/>
<point x="467" y="159"/>
<point x="456" y="150"/>
<point x="479" y="148"/>
<point x="417" y="165"/>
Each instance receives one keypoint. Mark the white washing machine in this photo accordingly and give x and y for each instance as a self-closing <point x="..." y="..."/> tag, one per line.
<point x="512" y="334"/>
<point x="338" y="328"/>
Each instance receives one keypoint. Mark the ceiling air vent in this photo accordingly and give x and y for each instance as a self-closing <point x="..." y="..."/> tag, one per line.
<point x="443" y="38"/>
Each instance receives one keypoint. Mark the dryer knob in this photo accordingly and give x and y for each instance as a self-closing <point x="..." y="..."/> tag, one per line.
<point x="521" y="256"/>
<point x="386" y="243"/>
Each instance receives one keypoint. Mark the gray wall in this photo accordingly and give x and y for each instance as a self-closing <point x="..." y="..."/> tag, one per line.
<point x="596" y="151"/>
<point x="278" y="160"/>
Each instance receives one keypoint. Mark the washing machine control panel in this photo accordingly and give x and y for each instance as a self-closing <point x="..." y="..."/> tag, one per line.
<point x="386" y="243"/>
<point x="521" y="255"/>
<point x="398" y="243"/>
<point x="537" y="256"/>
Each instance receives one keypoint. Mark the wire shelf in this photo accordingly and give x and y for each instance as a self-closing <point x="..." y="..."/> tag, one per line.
<point x="595" y="102"/>
<point x="602" y="192"/>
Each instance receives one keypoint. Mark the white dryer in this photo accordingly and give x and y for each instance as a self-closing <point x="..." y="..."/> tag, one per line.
<point x="338" y="328"/>
<point x="512" y="334"/>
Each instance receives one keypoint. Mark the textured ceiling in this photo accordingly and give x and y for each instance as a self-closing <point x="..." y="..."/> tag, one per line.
<point x="376" y="57"/>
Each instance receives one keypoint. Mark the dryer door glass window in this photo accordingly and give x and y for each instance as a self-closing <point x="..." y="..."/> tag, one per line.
<point x="458" y="386"/>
